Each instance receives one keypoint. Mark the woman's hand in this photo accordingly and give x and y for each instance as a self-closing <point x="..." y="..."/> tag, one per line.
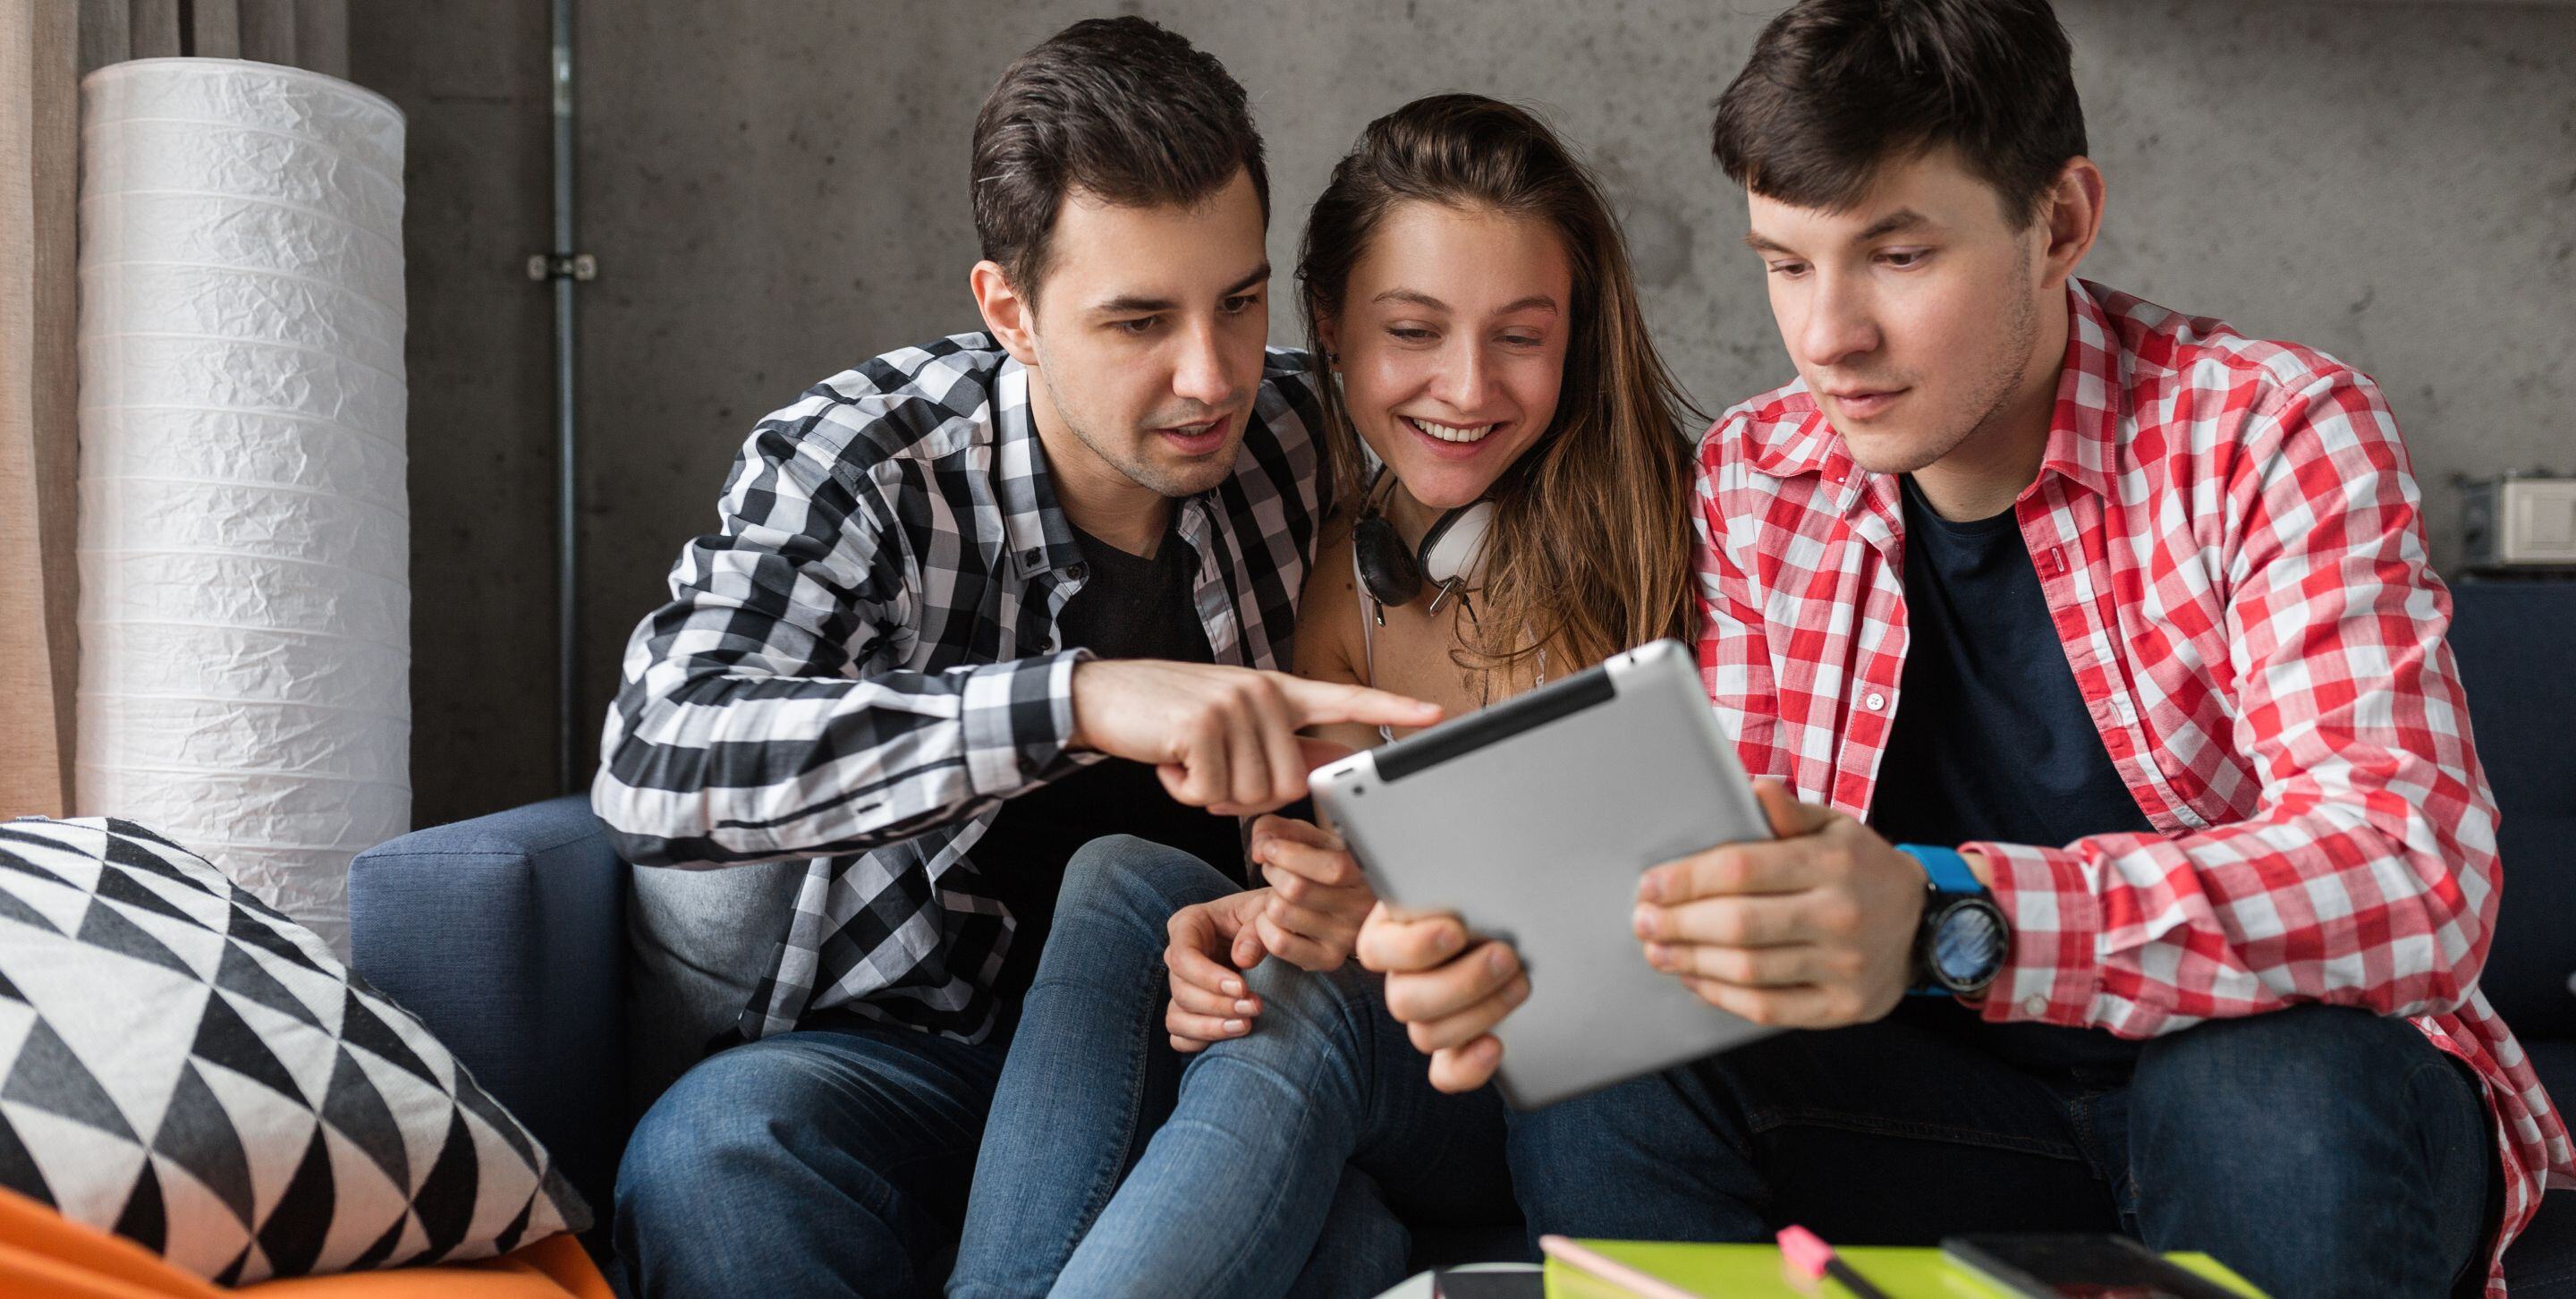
<point x="1317" y="895"/>
<point x="1212" y="943"/>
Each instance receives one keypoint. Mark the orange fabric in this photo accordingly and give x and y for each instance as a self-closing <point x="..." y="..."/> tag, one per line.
<point x="44" y="1255"/>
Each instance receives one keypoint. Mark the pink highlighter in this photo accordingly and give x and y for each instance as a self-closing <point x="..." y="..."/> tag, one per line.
<point x="1810" y="1257"/>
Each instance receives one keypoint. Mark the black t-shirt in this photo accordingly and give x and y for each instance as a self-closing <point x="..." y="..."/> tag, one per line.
<point x="1128" y="607"/>
<point x="1992" y="739"/>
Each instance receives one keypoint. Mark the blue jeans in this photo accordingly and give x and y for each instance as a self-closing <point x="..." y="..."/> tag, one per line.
<point x="2317" y="1150"/>
<point x="818" y="1162"/>
<point x="1270" y="1164"/>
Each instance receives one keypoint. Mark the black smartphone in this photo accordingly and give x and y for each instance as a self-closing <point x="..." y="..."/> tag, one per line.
<point x="2078" y="1267"/>
<point x="1522" y="1283"/>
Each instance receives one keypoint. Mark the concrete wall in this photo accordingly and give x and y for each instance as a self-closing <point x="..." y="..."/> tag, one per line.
<point x="479" y="355"/>
<point x="775" y="188"/>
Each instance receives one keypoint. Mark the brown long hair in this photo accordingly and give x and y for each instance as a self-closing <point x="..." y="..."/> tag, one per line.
<point x="1590" y="550"/>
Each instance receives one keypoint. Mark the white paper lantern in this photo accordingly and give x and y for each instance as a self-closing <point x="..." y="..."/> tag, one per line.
<point x="245" y="602"/>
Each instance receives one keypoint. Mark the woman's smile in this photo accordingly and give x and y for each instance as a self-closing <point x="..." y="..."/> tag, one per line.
<point x="1453" y="441"/>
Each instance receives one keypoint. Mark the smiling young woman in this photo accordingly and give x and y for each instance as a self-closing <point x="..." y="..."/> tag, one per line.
<point x="1586" y="553"/>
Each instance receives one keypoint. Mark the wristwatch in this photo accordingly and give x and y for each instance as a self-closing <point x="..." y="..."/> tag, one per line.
<point x="1960" y="946"/>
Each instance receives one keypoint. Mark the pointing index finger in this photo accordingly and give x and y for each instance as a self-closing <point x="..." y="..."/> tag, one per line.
<point x="1323" y="703"/>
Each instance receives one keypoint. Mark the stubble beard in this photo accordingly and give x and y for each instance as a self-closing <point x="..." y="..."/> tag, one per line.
<point x="1995" y="389"/>
<point x="1134" y="457"/>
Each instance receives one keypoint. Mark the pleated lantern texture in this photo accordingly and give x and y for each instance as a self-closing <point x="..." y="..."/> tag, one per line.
<point x="245" y="607"/>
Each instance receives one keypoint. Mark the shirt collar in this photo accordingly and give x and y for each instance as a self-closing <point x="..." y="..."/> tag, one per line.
<point x="2084" y="431"/>
<point x="1033" y="523"/>
<point x="2083" y="434"/>
<point x="1801" y="446"/>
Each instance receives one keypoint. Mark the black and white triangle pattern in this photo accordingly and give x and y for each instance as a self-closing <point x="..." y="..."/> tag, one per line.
<point x="186" y="1067"/>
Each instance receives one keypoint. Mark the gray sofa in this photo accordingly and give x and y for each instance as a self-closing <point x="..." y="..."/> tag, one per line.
<point x="509" y="934"/>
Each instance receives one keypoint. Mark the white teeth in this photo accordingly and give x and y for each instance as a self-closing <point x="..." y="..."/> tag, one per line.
<point x="1451" y="432"/>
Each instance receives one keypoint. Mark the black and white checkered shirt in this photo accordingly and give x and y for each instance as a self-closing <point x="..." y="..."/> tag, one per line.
<point x="863" y="663"/>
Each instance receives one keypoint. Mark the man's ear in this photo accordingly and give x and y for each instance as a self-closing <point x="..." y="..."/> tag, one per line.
<point x="1012" y="318"/>
<point x="2070" y="219"/>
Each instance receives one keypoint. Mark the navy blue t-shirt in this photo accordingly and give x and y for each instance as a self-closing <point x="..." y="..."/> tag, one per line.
<point x="1991" y="738"/>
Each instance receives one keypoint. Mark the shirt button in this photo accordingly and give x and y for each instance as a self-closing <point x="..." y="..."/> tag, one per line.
<point x="2034" y="1005"/>
<point x="1876" y="701"/>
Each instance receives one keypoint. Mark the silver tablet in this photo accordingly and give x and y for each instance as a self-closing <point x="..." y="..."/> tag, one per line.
<point x="1532" y="819"/>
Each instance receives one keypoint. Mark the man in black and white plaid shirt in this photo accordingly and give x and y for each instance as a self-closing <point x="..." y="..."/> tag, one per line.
<point x="883" y="662"/>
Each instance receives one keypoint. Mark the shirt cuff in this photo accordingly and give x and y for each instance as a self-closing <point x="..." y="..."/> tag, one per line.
<point x="2054" y="968"/>
<point x="1019" y="722"/>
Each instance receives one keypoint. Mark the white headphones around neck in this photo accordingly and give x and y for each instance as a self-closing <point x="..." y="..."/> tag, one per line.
<point x="1450" y="557"/>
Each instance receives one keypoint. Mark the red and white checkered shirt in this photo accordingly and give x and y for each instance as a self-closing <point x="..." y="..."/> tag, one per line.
<point x="2228" y="538"/>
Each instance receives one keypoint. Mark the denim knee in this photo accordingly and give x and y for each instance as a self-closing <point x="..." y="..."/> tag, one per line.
<point x="2287" y="1082"/>
<point x="1344" y="999"/>
<point x="1123" y="876"/>
<point x="2318" y="1149"/>
<point x="2326" y="1099"/>
<point x="1312" y="1026"/>
<point x="711" y="1129"/>
<point x="704" y="1143"/>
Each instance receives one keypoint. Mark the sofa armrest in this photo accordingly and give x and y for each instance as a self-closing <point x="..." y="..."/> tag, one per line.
<point x="506" y="935"/>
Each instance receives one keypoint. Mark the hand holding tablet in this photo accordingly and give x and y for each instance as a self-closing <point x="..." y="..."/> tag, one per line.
<point x="1811" y="929"/>
<point x="1532" y="820"/>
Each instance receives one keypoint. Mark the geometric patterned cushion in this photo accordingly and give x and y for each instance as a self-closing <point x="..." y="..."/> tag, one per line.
<point x="184" y="1066"/>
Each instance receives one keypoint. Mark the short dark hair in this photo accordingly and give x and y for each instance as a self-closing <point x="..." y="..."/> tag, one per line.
<point x="1837" y="88"/>
<point x="1118" y="107"/>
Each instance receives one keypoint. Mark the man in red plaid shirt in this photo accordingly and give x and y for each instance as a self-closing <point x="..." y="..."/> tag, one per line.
<point x="2093" y="660"/>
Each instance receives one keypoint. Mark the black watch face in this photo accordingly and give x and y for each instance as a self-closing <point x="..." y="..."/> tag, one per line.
<point x="1968" y="946"/>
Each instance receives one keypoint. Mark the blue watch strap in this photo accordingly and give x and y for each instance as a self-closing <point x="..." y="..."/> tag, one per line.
<point x="1948" y="873"/>
<point x="1947" y="870"/>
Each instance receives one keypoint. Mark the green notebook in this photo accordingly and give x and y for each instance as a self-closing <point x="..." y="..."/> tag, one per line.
<point x="1755" y="1272"/>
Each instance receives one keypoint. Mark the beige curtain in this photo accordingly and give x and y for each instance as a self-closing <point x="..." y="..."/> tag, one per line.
<point x="45" y="46"/>
<point x="39" y="158"/>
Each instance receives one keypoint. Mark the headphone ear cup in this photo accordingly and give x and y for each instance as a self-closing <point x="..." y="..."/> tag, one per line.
<point x="1454" y="548"/>
<point x="1387" y="569"/>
